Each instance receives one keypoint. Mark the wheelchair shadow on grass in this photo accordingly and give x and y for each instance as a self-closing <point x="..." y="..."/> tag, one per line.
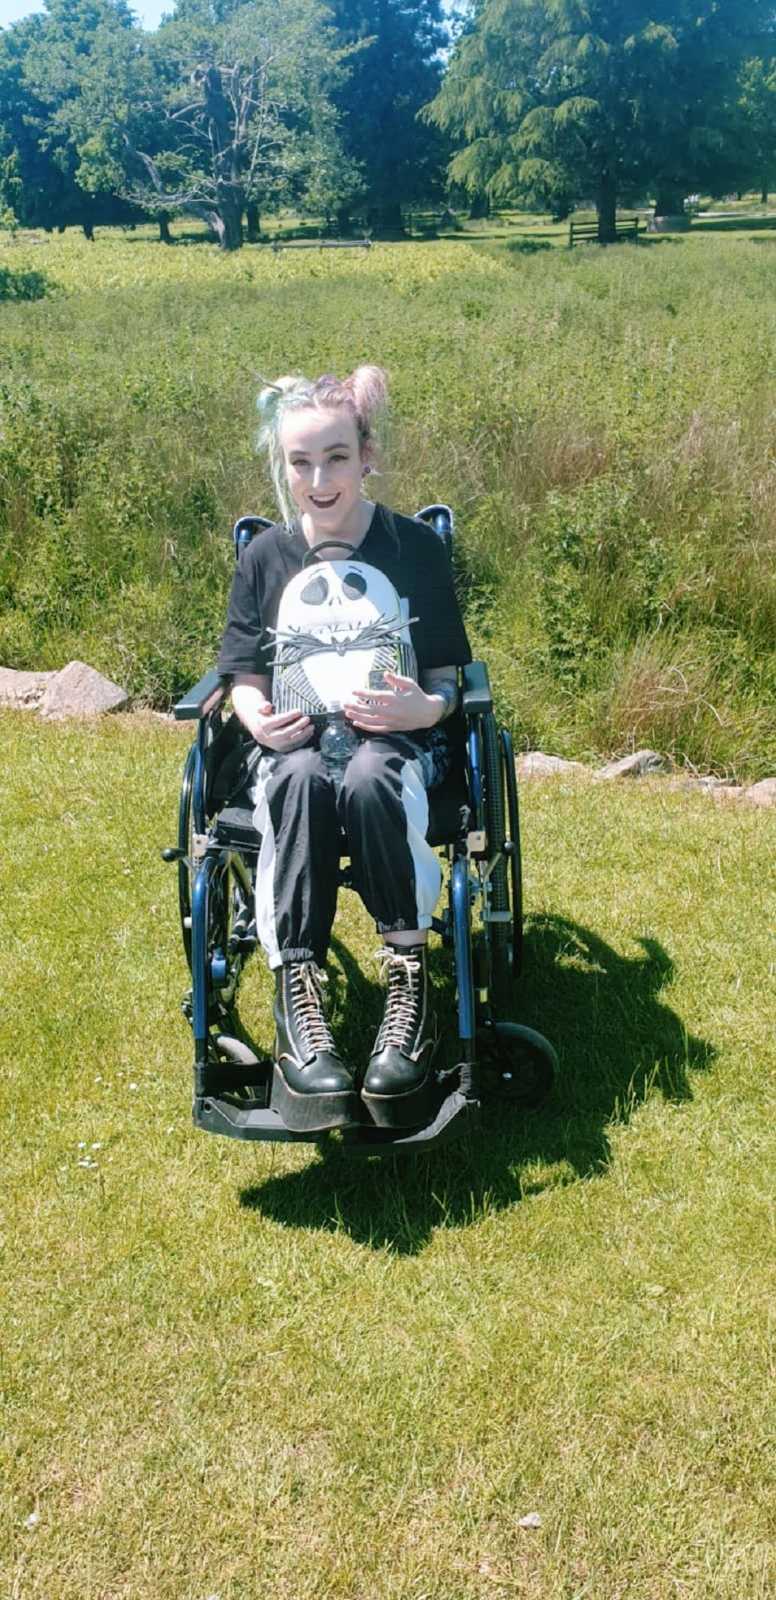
<point x="617" y="1040"/>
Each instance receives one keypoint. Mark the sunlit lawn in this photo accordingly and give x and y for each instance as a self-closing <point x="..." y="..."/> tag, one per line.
<point x="249" y="1372"/>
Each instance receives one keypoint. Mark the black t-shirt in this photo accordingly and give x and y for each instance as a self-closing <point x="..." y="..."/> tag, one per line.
<point x="408" y="552"/>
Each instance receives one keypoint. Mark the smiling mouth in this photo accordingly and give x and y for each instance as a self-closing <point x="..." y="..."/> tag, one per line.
<point x="324" y="504"/>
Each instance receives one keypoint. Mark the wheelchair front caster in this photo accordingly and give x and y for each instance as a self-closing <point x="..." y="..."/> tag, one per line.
<point x="517" y="1064"/>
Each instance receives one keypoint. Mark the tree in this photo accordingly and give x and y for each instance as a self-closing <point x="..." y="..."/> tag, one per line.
<point x="51" y="66"/>
<point x="757" y="107"/>
<point x="246" y="104"/>
<point x="594" y="97"/>
<point x="395" y="69"/>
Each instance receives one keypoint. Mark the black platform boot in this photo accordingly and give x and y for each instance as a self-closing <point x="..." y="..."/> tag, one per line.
<point x="399" y="1087"/>
<point x="312" y="1088"/>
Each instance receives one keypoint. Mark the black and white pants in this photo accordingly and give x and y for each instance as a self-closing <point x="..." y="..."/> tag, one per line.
<point x="382" y="806"/>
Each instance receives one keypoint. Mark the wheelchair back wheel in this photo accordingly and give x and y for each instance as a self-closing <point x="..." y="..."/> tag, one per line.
<point x="503" y="926"/>
<point x="515" y="859"/>
<point x="185" y="828"/>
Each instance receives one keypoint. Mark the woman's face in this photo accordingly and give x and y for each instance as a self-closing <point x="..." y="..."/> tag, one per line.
<point x="324" y="467"/>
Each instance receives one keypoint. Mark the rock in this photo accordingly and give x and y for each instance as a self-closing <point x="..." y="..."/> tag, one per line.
<point x="79" y="691"/>
<point x="23" y="691"/>
<point x="638" y="765"/>
<point x="727" y="791"/>
<point x="762" y="793"/>
<point x="535" y="764"/>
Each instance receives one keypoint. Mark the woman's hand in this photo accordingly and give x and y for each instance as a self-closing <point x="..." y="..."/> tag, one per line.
<point x="281" y="730"/>
<point x="402" y="708"/>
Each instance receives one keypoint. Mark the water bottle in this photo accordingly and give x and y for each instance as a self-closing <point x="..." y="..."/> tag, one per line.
<point x="339" y="741"/>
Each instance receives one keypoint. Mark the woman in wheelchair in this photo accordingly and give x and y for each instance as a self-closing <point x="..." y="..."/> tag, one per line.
<point x="337" y="582"/>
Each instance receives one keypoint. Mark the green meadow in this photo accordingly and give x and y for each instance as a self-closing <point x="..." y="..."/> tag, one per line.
<point x="279" y="1373"/>
<point x="601" y="421"/>
<point x="233" y="1372"/>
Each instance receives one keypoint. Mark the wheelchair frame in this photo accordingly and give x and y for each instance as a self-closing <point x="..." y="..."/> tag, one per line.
<point x="216" y="860"/>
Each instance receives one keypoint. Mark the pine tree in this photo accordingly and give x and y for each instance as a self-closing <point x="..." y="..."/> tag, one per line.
<point x="395" y="68"/>
<point x="604" y="98"/>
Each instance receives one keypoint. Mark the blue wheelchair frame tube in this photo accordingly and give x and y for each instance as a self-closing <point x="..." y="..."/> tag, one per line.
<point x="462" y="939"/>
<point x="199" y="778"/>
<point x="474" y="750"/>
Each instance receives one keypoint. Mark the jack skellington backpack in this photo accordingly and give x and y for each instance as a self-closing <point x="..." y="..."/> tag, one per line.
<point x="341" y="625"/>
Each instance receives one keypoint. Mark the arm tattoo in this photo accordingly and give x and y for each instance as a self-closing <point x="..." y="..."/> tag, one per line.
<point x="448" y="692"/>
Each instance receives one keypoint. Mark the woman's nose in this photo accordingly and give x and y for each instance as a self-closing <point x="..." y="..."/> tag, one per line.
<point x="318" y="475"/>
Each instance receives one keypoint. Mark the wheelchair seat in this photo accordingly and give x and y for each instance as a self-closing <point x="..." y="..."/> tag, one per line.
<point x="447" y="802"/>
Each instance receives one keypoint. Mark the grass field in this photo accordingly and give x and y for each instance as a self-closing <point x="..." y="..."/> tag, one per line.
<point x="602" y="422"/>
<point x="273" y="1375"/>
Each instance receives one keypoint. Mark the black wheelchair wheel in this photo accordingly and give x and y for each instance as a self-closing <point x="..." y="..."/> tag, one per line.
<point x="228" y="912"/>
<point x="498" y="934"/>
<point x="185" y="829"/>
<point x="515" y="859"/>
<point x="517" y="1064"/>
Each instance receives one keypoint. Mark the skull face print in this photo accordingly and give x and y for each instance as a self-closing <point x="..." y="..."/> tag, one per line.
<point x="339" y="624"/>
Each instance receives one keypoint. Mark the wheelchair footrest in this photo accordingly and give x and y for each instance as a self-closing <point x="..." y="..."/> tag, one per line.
<point x="241" y="1119"/>
<point x="237" y="1117"/>
<point x="453" y="1116"/>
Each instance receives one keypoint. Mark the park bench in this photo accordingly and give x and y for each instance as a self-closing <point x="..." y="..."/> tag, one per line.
<point x="625" y="228"/>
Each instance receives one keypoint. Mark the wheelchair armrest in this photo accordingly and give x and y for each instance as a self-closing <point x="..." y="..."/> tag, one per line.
<point x="210" y="692"/>
<point x="475" y="692"/>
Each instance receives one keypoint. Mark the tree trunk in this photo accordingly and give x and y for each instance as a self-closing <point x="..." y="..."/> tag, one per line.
<point x="227" y="226"/>
<point x="669" y="201"/>
<point x="479" y="207"/>
<point x="606" y="208"/>
<point x="764" y="192"/>
<point x="226" y="214"/>
<point x="165" y="237"/>
<point x="252" y="224"/>
<point x="386" y="218"/>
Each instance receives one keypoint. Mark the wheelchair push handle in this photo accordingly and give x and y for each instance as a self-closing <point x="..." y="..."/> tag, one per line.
<point x="245" y="530"/>
<point x="440" y="518"/>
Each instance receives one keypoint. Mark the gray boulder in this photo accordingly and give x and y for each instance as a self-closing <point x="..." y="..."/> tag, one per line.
<point x="22" y="691"/>
<point x="80" y="691"/>
<point x="762" y="793"/>
<point x="639" y="765"/>
<point x="535" y="764"/>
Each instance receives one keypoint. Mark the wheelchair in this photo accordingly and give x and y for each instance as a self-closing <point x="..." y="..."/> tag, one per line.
<point x="474" y="820"/>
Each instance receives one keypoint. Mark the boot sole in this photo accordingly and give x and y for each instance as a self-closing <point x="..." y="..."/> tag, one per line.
<point x="410" y="1110"/>
<point x="312" y="1113"/>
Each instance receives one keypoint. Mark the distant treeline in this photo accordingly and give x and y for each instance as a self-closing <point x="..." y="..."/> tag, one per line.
<point x="358" y="109"/>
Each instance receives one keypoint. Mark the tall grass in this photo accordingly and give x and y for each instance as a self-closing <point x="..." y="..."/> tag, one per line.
<point x="603" y="423"/>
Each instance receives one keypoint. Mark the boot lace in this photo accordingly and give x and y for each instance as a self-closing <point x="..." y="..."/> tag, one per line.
<point x="306" y="984"/>
<point x="402" y="1006"/>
